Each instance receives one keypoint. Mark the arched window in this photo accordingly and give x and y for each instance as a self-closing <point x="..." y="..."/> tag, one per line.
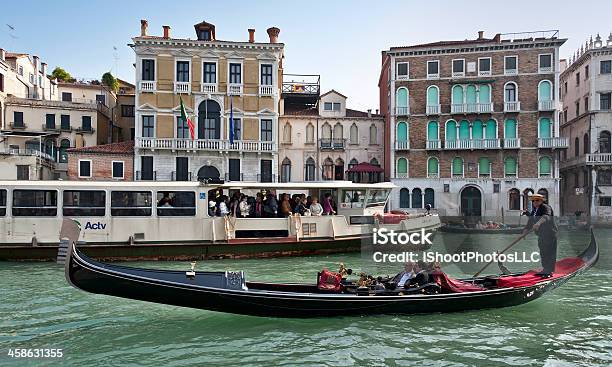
<point x="544" y="128"/>
<point x="287" y="133"/>
<point x="338" y="131"/>
<point x="374" y="162"/>
<point x="510" y="129"/>
<point x="457" y="167"/>
<point x="510" y="92"/>
<point x="514" y="199"/>
<point x="49" y="147"/>
<point x="402" y="167"/>
<point x="527" y="204"/>
<point x="484" y="94"/>
<point x="209" y="120"/>
<point x="430" y="197"/>
<point x="510" y="166"/>
<point x="353" y="163"/>
<point x="354" y="134"/>
<point x="63" y="155"/>
<point x="470" y="96"/>
<point x="326" y="132"/>
<point x="432" y="131"/>
<point x="457" y="97"/>
<point x="477" y="128"/>
<point x="339" y="169"/>
<point x="417" y="198"/>
<point x="576" y="147"/>
<point x="328" y="169"/>
<point x="433" y="167"/>
<point x="605" y="142"/>
<point x="404" y="198"/>
<point x="464" y="130"/>
<point x="586" y="145"/>
<point x="545" y="91"/>
<point x="286" y="170"/>
<point x="310" y="133"/>
<point x="373" y="134"/>
<point x="402" y="101"/>
<point x="402" y="131"/>
<point x="309" y="170"/>
<point x="545" y="165"/>
<point x="484" y="167"/>
<point x="491" y="129"/>
<point x="451" y="130"/>
<point x="433" y="96"/>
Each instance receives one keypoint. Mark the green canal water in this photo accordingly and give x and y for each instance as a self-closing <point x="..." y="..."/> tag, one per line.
<point x="570" y="326"/>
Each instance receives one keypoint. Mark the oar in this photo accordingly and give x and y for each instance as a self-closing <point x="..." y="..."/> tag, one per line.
<point x="504" y="250"/>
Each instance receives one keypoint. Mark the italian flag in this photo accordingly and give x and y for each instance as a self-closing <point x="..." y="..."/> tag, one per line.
<point x="185" y="118"/>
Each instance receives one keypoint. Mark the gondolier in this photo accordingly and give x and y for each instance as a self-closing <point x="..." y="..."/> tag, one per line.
<point x="541" y="220"/>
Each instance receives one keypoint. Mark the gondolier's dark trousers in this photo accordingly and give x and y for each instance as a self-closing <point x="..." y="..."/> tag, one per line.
<point x="548" y="252"/>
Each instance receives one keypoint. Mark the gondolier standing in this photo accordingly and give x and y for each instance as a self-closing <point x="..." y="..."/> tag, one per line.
<point x="541" y="220"/>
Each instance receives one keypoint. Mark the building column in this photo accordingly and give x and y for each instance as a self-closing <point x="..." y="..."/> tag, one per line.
<point x="593" y="211"/>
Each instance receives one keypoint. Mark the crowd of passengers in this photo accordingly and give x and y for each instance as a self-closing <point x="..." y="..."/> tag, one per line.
<point x="267" y="205"/>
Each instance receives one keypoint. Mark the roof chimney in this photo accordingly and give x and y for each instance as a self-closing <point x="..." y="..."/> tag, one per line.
<point x="166" y="31"/>
<point x="497" y="38"/>
<point x="377" y="111"/>
<point x="144" y="26"/>
<point x="273" y="33"/>
<point x="251" y="35"/>
<point x="2" y="54"/>
<point x="480" y="35"/>
<point x="369" y="113"/>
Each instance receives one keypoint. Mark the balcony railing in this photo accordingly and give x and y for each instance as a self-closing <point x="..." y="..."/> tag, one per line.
<point x="187" y="177"/>
<point x="402" y="144"/>
<point x="458" y="144"/>
<point x="546" y="105"/>
<point x="555" y="142"/>
<point x="402" y="111"/>
<point x="234" y="89"/>
<point x="484" y="72"/>
<point x="266" y="90"/>
<point x="434" y="144"/>
<point x="433" y="109"/>
<point x="472" y="144"/>
<point x="401" y="175"/>
<point x="85" y="130"/>
<point x="510" y="72"/>
<point x="182" y="87"/>
<point x="458" y="74"/>
<point x="512" y="106"/>
<point x="545" y="69"/>
<point x="472" y="108"/>
<point x="599" y="158"/>
<point x="17" y="125"/>
<point x="205" y="144"/>
<point x="514" y="143"/>
<point x="333" y="144"/>
<point x="26" y="152"/>
<point x="146" y="176"/>
<point x="53" y="127"/>
<point x="208" y="88"/>
<point x="147" y="86"/>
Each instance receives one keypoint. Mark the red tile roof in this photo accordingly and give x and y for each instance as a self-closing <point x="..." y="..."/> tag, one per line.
<point x="355" y="113"/>
<point x="446" y="43"/>
<point x="13" y="55"/>
<point x="126" y="147"/>
<point x="311" y="111"/>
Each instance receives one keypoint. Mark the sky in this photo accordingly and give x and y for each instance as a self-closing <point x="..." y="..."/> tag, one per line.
<point x="340" y="40"/>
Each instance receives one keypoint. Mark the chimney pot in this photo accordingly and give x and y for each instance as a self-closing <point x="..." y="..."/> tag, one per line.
<point x="377" y="111"/>
<point x="497" y="38"/>
<point x="370" y="112"/>
<point x="251" y="35"/>
<point x="480" y="35"/>
<point x="273" y="33"/>
<point x="166" y="31"/>
<point x="2" y="54"/>
<point x="144" y="26"/>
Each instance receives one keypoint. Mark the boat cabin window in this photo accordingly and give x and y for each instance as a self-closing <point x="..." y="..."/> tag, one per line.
<point x="131" y="203"/>
<point x="2" y="203"/>
<point x="377" y="197"/>
<point x="176" y="203"/>
<point x="352" y="199"/>
<point x="34" y="203"/>
<point x="84" y="203"/>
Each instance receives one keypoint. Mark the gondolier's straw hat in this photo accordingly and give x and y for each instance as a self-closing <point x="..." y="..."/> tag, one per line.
<point x="537" y="197"/>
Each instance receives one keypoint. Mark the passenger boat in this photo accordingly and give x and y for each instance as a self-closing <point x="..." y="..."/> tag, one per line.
<point x="230" y="292"/>
<point x="127" y="221"/>
<point x="461" y="229"/>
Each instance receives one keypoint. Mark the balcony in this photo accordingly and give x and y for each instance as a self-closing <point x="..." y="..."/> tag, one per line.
<point x="205" y="145"/>
<point x="486" y="144"/>
<point x="434" y="144"/>
<point x="46" y="127"/>
<point x="401" y="175"/>
<point x="472" y="108"/>
<point x="234" y="89"/>
<point x="433" y="110"/>
<point x="546" y="105"/>
<point x="26" y="152"/>
<point x="461" y="144"/>
<point x="402" y="111"/>
<point x="402" y="144"/>
<point x="332" y="144"/>
<point x="174" y="177"/>
<point x="511" y="72"/>
<point x="552" y="143"/>
<point x="545" y="69"/>
<point x="266" y="90"/>
<point x="17" y="125"/>
<point x="512" y="106"/>
<point x="146" y="175"/>
<point x="85" y="130"/>
<point x="147" y="86"/>
<point x="512" y="143"/>
<point x="208" y="88"/>
<point x="182" y="87"/>
<point x="592" y="159"/>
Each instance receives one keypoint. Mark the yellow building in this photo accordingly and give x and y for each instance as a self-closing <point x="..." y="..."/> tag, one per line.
<point x="210" y="76"/>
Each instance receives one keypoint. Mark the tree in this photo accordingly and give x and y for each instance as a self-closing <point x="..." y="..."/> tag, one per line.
<point x="110" y="81"/>
<point x="61" y="75"/>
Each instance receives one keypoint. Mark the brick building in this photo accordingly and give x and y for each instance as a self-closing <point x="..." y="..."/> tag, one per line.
<point x="472" y="125"/>
<point x="102" y="162"/>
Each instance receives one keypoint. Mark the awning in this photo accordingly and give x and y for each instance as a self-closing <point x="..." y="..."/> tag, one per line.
<point x="364" y="167"/>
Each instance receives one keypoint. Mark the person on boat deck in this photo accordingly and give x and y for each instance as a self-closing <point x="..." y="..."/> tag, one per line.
<point x="328" y="208"/>
<point x="212" y="208"/>
<point x="542" y="221"/>
<point x="308" y="201"/>
<point x="301" y="207"/>
<point x="315" y="208"/>
<point x="422" y="274"/>
<point x="285" y="208"/>
<point x="244" y="207"/>
<point x="270" y="207"/>
<point x="258" y="207"/>
<point x="402" y="278"/>
<point x="223" y="210"/>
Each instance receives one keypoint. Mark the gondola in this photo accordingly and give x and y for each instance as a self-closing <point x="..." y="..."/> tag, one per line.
<point x="230" y="292"/>
<point x="460" y="229"/>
